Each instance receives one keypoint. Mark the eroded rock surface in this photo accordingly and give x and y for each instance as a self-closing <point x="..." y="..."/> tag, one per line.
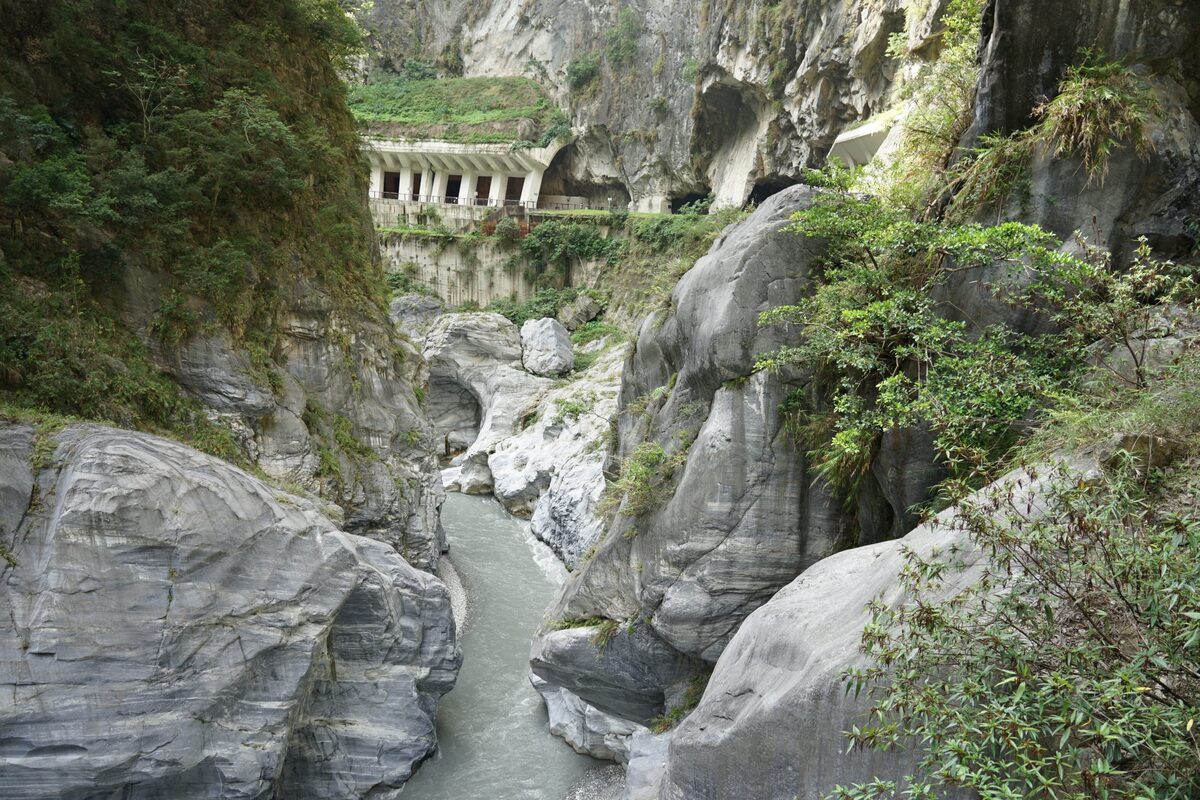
<point x="332" y="406"/>
<point x="553" y="470"/>
<point x="476" y="357"/>
<point x="771" y="722"/>
<point x="174" y="627"/>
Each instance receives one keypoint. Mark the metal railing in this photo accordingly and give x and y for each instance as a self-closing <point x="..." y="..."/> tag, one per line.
<point x="484" y="202"/>
<point x="452" y="200"/>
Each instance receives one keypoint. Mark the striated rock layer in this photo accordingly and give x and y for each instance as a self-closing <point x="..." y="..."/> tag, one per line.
<point x="174" y="627"/>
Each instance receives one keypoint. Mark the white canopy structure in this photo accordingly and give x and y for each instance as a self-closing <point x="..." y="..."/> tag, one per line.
<point x="857" y="146"/>
<point x="457" y="173"/>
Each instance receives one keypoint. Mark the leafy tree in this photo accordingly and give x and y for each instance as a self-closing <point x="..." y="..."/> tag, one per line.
<point x="1068" y="667"/>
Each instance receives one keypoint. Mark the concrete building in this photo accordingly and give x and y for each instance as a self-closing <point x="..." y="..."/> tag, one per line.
<point x="478" y="175"/>
<point x="858" y="145"/>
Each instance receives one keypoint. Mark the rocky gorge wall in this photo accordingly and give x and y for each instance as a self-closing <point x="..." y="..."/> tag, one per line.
<point x="733" y="99"/>
<point x="736" y="516"/>
<point x="179" y="628"/>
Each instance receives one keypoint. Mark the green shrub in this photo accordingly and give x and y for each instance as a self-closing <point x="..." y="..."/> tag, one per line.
<point x="552" y="246"/>
<point x="691" y="698"/>
<point x="644" y="482"/>
<point x="621" y="42"/>
<point x="589" y="332"/>
<point x="1068" y="668"/>
<point x="507" y="230"/>
<point x="1099" y="106"/>
<point x="885" y="356"/>
<point x="582" y="70"/>
<point x="543" y="303"/>
<point x="573" y="407"/>
<point x="403" y="281"/>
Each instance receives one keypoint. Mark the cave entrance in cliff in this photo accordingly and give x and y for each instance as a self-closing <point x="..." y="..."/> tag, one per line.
<point x="562" y="189"/>
<point x="765" y="187"/>
<point x="691" y="198"/>
<point x="455" y="413"/>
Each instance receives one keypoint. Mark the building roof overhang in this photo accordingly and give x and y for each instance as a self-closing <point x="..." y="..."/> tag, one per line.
<point x="457" y="157"/>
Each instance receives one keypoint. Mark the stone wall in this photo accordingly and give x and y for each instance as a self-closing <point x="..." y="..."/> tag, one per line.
<point x="464" y="271"/>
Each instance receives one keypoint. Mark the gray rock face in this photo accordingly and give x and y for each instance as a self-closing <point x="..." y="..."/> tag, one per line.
<point x="1028" y="47"/>
<point x="414" y="313"/>
<point x="629" y="675"/>
<point x="771" y="720"/>
<point x="553" y="470"/>
<point x="739" y="104"/>
<point x="174" y="627"/>
<point x="331" y="407"/>
<point x="647" y="765"/>
<point x="546" y="347"/>
<point x="583" y="309"/>
<point x="477" y="357"/>
<point x="586" y="728"/>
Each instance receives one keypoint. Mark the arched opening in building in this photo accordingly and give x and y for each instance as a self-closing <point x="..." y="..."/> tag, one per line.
<point x="455" y="414"/>
<point x="765" y="187"/>
<point x="570" y="182"/>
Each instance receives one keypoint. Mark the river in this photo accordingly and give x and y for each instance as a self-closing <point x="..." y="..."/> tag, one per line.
<point x="494" y="743"/>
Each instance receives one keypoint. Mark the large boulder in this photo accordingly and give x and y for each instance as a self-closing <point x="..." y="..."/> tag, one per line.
<point x="770" y="724"/>
<point x="546" y="347"/>
<point x="174" y="627"/>
<point x="580" y="311"/>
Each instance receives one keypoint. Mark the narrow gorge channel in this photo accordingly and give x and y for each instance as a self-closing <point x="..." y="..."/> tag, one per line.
<point x="492" y="735"/>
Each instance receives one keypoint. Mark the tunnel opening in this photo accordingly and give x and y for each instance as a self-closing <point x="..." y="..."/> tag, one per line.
<point x="730" y="120"/>
<point x="455" y="414"/>
<point x="766" y="187"/>
<point x="570" y="182"/>
<point x="678" y="202"/>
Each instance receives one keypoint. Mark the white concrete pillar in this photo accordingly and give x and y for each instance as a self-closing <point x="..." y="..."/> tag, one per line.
<point x="532" y="188"/>
<point x="499" y="183"/>
<point x="466" y="190"/>
<point x="439" y="186"/>
<point x="406" y="174"/>
<point x="376" y="178"/>
<point x="426" y="184"/>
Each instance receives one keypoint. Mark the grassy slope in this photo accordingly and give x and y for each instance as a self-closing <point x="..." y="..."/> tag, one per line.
<point x="477" y="110"/>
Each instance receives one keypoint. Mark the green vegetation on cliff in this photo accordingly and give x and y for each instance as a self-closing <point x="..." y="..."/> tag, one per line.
<point x="165" y="168"/>
<point x="474" y="110"/>
<point x="1051" y="651"/>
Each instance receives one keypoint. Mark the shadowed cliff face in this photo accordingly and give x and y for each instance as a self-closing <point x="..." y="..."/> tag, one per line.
<point x="1026" y="50"/>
